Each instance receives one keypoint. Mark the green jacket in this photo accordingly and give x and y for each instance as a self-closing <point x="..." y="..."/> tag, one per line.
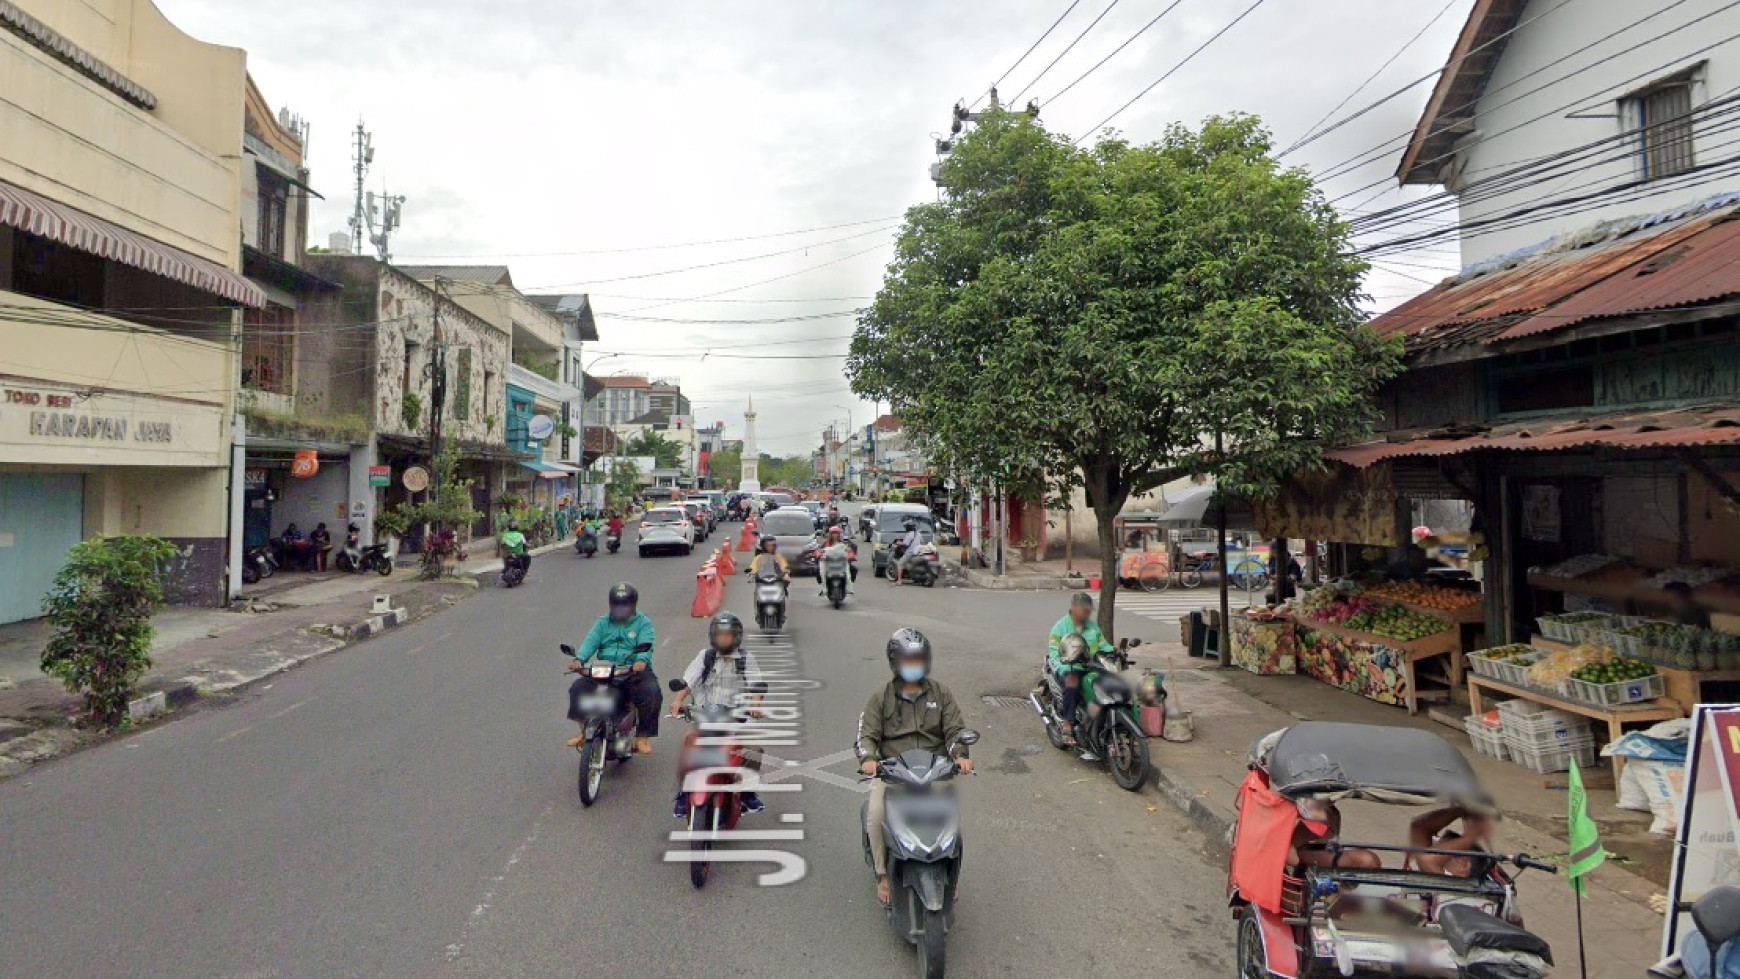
<point x="1096" y="642"/>
<point x="513" y="542"/>
<point x="614" y="642"/>
<point x="892" y="724"/>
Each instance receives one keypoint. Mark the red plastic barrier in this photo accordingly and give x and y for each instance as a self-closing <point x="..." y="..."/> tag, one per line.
<point x="746" y="540"/>
<point x="709" y="593"/>
<point x="726" y="565"/>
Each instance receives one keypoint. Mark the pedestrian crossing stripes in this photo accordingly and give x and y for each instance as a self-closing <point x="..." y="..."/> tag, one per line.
<point x="1174" y="603"/>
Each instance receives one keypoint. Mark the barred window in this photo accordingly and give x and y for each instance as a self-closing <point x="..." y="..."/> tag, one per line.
<point x="1665" y="124"/>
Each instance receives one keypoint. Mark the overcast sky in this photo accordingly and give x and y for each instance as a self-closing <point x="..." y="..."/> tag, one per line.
<point x="521" y="130"/>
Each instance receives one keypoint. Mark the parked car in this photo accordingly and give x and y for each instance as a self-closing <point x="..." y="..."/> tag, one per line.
<point x="794" y="530"/>
<point x="891" y="521"/>
<point x="666" y="528"/>
<point x="716" y="500"/>
<point x="700" y="514"/>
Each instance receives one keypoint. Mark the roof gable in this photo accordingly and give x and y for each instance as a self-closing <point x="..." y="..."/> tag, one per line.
<point x="1449" y="113"/>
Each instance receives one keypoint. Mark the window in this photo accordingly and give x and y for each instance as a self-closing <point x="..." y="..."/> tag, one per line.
<point x="274" y="203"/>
<point x="268" y="342"/>
<point x="462" y="389"/>
<point x="408" y="383"/>
<point x="1664" y="117"/>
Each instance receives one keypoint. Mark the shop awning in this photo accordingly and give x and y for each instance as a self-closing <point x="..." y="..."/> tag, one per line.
<point x="1189" y="509"/>
<point x="73" y="228"/>
<point x="1632" y="430"/>
<point x="547" y="470"/>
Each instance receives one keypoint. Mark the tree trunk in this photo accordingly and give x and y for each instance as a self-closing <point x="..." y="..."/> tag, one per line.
<point x="1107" y="495"/>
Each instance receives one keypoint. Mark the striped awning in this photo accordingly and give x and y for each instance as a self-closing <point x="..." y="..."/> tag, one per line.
<point x="73" y="228"/>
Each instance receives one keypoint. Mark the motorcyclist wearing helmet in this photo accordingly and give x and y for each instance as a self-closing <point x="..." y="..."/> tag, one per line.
<point x="513" y="547"/>
<point x="617" y="638"/>
<point x="835" y="556"/>
<point x="910" y="711"/>
<point x="767" y="557"/>
<point x="909" y="545"/>
<point x="1079" y="621"/>
<point x="722" y="675"/>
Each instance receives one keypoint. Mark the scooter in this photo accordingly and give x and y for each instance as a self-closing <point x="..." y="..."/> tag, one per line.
<point x="716" y="804"/>
<point x="770" y="601"/>
<point x="514" y="568"/>
<point x="258" y="563"/>
<point x="356" y="560"/>
<point x="834" y="578"/>
<point x="924" y="566"/>
<point x="613" y="542"/>
<point x="586" y="544"/>
<point x="1710" y="950"/>
<point x="1107" y="726"/>
<point x="921" y="827"/>
<point x="609" y="720"/>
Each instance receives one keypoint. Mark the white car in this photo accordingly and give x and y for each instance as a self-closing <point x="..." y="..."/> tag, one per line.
<point x="666" y="528"/>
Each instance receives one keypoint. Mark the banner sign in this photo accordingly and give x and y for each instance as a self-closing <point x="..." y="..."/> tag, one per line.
<point x="1343" y="505"/>
<point x="380" y="476"/>
<point x="1706" y="849"/>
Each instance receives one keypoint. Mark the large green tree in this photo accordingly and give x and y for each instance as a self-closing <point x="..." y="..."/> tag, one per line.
<point x="1052" y="320"/>
<point x="666" y="453"/>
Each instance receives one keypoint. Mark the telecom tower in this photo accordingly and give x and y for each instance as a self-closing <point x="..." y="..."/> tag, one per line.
<point x="369" y="207"/>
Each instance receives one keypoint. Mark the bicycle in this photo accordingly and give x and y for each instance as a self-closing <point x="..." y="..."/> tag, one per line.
<point x="1249" y="575"/>
<point x="1191" y="576"/>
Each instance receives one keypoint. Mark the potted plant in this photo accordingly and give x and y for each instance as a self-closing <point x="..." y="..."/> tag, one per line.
<point x="390" y="525"/>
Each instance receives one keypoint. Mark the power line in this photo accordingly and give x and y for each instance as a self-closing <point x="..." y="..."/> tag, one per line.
<point x="1066" y="11"/>
<point x="1127" y="42"/>
<point x="1309" y="133"/>
<point x="763" y="282"/>
<point x="1072" y="44"/>
<point x="668" y="247"/>
<point x="728" y="261"/>
<point x="1187" y="59"/>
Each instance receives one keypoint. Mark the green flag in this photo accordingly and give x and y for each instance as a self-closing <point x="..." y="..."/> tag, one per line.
<point x="1585" y="839"/>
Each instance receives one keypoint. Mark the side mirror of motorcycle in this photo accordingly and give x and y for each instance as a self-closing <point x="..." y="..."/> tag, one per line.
<point x="567" y="650"/>
<point x="677" y="685"/>
<point x="968" y="737"/>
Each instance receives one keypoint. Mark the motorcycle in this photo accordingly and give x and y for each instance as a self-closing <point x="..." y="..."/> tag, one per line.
<point x="258" y="563"/>
<point x="356" y="560"/>
<point x="924" y="570"/>
<point x="613" y="542"/>
<point x="514" y="568"/>
<point x="922" y="826"/>
<point x="1711" y="949"/>
<point x="586" y="544"/>
<point x="1107" y="726"/>
<point x="715" y="806"/>
<point x="835" y="574"/>
<point x="609" y="720"/>
<point x="770" y="601"/>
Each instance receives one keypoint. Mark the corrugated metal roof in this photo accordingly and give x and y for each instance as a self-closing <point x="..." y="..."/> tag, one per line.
<point x="1554" y="290"/>
<point x="1703" y="425"/>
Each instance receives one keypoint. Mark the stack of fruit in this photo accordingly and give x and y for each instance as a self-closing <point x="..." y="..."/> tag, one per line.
<point x="1615" y="670"/>
<point x="1425" y="596"/>
<point x="1398" y="622"/>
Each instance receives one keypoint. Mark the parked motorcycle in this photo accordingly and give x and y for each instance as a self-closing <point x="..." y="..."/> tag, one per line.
<point x="925" y="567"/>
<point x="613" y="542"/>
<point x="1711" y="949"/>
<point x="922" y="828"/>
<point x="514" y="568"/>
<point x="1107" y="725"/>
<point x="586" y="543"/>
<point x="770" y="601"/>
<point x="716" y="806"/>
<point x="356" y="559"/>
<point x="258" y="562"/>
<point x="609" y="720"/>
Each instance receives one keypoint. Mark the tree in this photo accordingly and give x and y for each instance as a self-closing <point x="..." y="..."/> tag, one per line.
<point x="725" y="467"/>
<point x="666" y="454"/>
<point x="624" y="483"/>
<point x="1043" y="325"/>
<point x="100" y="606"/>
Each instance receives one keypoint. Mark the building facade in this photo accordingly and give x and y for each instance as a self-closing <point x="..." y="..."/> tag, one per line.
<point x="121" y="157"/>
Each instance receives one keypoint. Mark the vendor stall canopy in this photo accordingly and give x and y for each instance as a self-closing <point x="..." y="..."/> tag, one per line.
<point x="1326" y="760"/>
<point x="1626" y="430"/>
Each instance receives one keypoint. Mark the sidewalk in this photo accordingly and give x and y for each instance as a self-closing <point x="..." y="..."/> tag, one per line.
<point x="1231" y="709"/>
<point x="204" y="652"/>
<point x="1028" y="576"/>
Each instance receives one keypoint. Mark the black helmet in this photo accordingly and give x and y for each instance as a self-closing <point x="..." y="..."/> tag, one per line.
<point x="907" y="643"/>
<point x="767" y="539"/>
<point x="725" y="622"/>
<point x="623" y="593"/>
<point x="513" y="525"/>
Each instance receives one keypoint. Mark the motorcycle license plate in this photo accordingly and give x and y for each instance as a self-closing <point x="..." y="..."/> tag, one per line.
<point x="597" y="703"/>
<point x="602" y="672"/>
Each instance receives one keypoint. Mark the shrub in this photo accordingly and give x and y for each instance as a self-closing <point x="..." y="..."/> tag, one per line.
<point x="100" y="606"/>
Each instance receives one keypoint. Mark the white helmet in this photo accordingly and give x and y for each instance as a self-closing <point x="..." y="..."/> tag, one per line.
<point x="1073" y="649"/>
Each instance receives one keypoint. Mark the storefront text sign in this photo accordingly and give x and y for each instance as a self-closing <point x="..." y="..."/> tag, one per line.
<point x="416" y="479"/>
<point x="110" y="428"/>
<point x="62" y="427"/>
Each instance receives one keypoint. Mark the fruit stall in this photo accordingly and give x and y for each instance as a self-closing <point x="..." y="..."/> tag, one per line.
<point x="1380" y="639"/>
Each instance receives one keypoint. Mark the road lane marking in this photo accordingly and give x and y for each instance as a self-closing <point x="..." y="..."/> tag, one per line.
<point x="489" y="895"/>
<point x="273" y="717"/>
<point x="238" y="732"/>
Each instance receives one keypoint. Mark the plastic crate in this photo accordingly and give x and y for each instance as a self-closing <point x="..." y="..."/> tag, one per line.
<point x="1518" y="672"/>
<point x="1545" y="727"/>
<point x="1565" y="629"/>
<point x="1488" y="741"/>
<point x="1484" y="663"/>
<point x="1553" y="758"/>
<point x="1624" y="692"/>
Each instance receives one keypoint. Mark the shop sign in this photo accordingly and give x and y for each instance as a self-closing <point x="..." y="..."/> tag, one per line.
<point x="1706" y="852"/>
<point x="50" y="419"/>
<point x="306" y="464"/>
<point x="254" y="478"/>
<point x="415" y="479"/>
<point x="380" y="476"/>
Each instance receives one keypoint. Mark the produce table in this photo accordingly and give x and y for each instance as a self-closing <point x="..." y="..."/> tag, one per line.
<point x="1684" y="687"/>
<point x="1375" y="667"/>
<point x="1264" y="647"/>
<point x="1616" y="717"/>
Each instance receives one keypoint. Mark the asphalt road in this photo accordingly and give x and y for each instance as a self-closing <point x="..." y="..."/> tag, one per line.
<point x="405" y="807"/>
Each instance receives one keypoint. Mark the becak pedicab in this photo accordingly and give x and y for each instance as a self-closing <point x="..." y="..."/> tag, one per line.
<point x="1330" y="916"/>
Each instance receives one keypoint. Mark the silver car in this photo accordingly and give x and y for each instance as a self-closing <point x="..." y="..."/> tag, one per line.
<point x="666" y="528"/>
<point x="794" y="531"/>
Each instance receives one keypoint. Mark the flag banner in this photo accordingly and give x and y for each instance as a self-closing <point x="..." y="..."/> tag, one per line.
<point x="1586" y="851"/>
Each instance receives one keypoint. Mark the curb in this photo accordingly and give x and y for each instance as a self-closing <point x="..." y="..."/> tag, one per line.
<point x="1215" y="824"/>
<point x="984" y="579"/>
<point x="374" y="625"/>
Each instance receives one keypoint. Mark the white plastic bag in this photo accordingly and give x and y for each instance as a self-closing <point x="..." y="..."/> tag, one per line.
<point x="1654" y="787"/>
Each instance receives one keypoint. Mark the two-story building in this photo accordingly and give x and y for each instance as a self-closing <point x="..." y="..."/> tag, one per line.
<point x="1579" y="381"/>
<point x="121" y="167"/>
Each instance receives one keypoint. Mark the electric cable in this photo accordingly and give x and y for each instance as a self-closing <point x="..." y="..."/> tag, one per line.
<point x="1127" y="42"/>
<point x="1187" y="59"/>
<point x="1084" y="33"/>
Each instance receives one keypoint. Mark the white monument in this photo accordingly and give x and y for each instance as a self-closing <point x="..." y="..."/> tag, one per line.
<point x="749" y="483"/>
